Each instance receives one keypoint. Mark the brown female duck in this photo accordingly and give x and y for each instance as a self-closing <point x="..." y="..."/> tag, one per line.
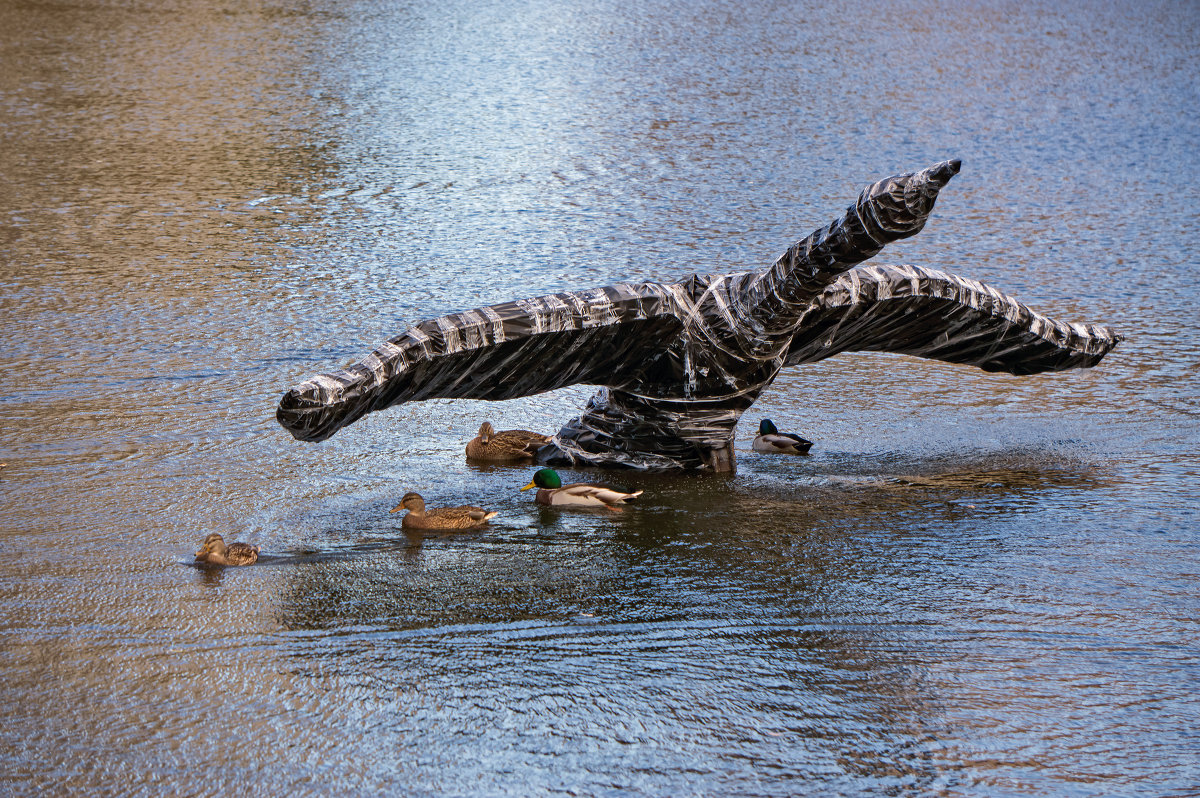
<point x="508" y="445"/>
<point x="417" y="517"/>
<point x="216" y="552"/>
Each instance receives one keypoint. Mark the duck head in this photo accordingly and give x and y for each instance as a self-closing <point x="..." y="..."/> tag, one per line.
<point x="486" y="431"/>
<point x="411" y="502"/>
<point x="213" y="544"/>
<point x="545" y="478"/>
<point x="767" y="427"/>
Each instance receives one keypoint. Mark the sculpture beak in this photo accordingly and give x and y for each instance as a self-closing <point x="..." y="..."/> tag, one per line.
<point x="942" y="172"/>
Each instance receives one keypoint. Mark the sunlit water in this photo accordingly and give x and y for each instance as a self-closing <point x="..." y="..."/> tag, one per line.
<point x="975" y="585"/>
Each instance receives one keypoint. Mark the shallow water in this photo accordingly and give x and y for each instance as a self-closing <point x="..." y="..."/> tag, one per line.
<point x="975" y="585"/>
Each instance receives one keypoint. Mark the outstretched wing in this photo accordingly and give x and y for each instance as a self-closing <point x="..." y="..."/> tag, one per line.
<point x="927" y="313"/>
<point x="496" y="352"/>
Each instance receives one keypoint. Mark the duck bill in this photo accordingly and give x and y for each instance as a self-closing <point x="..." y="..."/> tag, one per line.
<point x="530" y="485"/>
<point x="397" y="508"/>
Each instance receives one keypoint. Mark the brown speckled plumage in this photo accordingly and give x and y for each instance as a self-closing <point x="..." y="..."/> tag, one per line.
<point x="508" y="445"/>
<point x="215" y="551"/>
<point x="417" y="517"/>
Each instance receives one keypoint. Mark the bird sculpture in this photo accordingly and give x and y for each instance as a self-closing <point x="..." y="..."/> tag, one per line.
<point x="678" y="363"/>
<point x="417" y="517"/>
<point x="771" y="441"/>
<point x="506" y="446"/>
<point x="552" y="493"/>
<point x="214" y="551"/>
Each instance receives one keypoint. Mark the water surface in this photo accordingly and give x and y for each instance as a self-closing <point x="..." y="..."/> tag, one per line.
<point x="976" y="584"/>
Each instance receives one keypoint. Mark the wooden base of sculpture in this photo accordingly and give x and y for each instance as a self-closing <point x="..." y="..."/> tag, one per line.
<point x="722" y="460"/>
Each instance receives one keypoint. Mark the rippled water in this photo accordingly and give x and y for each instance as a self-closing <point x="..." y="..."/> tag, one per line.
<point x="976" y="585"/>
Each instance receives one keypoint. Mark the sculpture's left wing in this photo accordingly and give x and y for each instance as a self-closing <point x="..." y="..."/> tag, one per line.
<point x="915" y="311"/>
<point x="503" y="351"/>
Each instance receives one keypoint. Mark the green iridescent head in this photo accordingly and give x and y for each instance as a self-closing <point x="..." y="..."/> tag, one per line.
<point x="767" y="427"/>
<point x="545" y="478"/>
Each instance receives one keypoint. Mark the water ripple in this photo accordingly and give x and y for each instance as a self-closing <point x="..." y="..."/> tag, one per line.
<point x="975" y="584"/>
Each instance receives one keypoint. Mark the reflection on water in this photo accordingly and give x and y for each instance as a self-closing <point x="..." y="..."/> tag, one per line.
<point x="976" y="584"/>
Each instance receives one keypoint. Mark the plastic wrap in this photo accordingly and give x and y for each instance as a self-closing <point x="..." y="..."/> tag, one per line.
<point x="680" y="362"/>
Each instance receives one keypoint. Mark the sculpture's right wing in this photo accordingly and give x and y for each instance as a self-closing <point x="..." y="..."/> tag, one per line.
<point x="915" y="311"/>
<point x="502" y="351"/>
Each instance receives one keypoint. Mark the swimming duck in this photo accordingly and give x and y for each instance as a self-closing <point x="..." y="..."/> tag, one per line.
<point x="770" y="439"/>
<point x="552" y="492"/>
<point x="214" y="551"/>
<point x="509" y="444"/>
<point x="417" y="517"/>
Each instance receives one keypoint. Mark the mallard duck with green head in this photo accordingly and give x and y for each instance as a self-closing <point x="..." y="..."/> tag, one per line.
<point x="771" y="440"/>
<point x="214" y="551"/>
<point x="553" y="493"/>
<point x="506" y="445"/>
<point x="417" y="517"/>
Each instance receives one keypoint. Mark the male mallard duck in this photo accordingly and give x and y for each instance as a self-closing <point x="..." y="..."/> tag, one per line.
<point x="216" y="552"/>
<point x="552" y="492"/>
<point x="510" y="444"/>
<point x="772" y="440"/>
<point x="417" y="517"/>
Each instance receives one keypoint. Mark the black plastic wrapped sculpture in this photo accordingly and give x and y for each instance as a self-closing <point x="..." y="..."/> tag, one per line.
<point x="679" y="363"/>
